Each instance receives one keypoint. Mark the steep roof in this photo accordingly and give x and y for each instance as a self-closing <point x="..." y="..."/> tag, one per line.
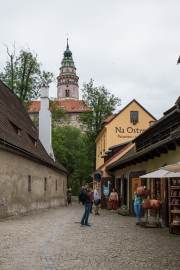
<point x="167" y="114"/>
<point x="71" y="106"/>
<point x="18" y="132"/>
<point x="111" y="117"/>
<point x="128" y="106"/>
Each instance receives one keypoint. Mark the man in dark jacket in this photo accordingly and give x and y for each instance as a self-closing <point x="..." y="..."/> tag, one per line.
<point x="87" y="204"/>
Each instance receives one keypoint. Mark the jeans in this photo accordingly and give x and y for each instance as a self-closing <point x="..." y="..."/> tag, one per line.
<point x="137" y="209"/>
<point x="86" y="213"/>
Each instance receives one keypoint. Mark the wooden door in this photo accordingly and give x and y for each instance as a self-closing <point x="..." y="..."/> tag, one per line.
<point x="165" y="210"/>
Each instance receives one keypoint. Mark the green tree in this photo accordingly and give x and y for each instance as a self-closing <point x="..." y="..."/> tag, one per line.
<point x="59" y="115"/>
<point x="70" y="149"/>
<point x="24" y="76"/>
<point x="102" y="104"/>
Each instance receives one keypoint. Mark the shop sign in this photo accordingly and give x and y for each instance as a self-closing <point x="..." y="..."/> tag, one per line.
<point x="129" y="130"/>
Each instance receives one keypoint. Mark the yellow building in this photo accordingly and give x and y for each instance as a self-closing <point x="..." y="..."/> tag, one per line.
<point x="131" y="121"/>
<point x="157" y="146"/>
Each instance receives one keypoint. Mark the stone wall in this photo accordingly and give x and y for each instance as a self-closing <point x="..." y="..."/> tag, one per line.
<point x="22" y="185"/>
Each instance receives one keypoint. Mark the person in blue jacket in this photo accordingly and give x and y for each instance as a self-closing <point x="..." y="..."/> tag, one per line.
<point x="87" y="204"/>
<point x="137" y="206"/>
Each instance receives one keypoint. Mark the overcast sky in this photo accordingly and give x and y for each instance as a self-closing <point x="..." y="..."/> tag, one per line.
<point x="129" y="46"/>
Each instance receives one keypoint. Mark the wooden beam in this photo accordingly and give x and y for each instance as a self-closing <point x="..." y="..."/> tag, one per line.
<point x="138" y="160"/>
<point x="162" y="150"/>
<point x="148" y="156"/>
<point x="155" y="153"/>
<point x="133" y="162"/>
<point x="171" y="146"/>
<point x="178" y="142"/>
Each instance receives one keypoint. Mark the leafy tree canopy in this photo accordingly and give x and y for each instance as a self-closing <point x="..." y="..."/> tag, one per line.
<point x="102" y="104"/>
<point x="71" y="150"/>
<point x="23" y="74"/>
<point x="59" y="115"/>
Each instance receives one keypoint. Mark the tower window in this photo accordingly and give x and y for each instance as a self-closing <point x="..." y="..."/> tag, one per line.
<point x="67" y="93"/>
<point x="134" y="116"/>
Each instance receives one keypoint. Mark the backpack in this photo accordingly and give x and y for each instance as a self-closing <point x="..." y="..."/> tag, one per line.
<point x="81" y="196"/>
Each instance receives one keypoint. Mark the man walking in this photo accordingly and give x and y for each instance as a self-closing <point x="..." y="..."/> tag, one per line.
<point x="96" y="200"/>
<point x="92" y="199"/>
<point x="87" y="204"/>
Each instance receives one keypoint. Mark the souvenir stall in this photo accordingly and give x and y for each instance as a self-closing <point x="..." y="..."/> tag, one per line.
<point x="173" y="193"/>
<point x="174" y="197"/>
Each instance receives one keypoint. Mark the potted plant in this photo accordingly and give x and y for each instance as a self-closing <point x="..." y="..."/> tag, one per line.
<point x="123" y="210"/>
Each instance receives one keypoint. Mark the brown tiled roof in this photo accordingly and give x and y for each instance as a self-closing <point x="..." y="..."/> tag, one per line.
<point x="109" y="118"/>
<point x="13" y="116"/>
<point x="69" y="105"/>
<point x="125" y="146"/>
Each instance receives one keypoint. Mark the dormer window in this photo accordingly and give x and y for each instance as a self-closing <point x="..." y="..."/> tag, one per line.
<point x="16" y="129"/>
<point x="80" y="107"/>
<point x="134" y="117"/>
<point x="63" y="107"/>
<point x="34" y="141"/>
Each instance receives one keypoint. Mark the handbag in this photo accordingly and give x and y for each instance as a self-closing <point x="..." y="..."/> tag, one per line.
<point x="99" y="201"/>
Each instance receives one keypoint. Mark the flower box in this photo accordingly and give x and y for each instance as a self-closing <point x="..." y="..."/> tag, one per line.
<point x="124" y="212"/>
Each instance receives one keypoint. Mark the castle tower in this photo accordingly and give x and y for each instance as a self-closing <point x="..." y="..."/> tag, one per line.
<point x="67" y="81"/>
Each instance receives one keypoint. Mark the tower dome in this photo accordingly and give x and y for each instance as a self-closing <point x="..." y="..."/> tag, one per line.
<point x="67" y="81"/>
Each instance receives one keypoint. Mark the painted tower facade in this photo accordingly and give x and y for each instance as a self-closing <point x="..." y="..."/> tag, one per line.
<point x="67" y="81"/>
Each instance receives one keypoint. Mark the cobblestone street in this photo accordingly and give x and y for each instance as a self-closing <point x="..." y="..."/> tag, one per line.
<point x="54" y="239"/>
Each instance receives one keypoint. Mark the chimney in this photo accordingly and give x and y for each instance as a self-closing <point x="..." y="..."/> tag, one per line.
<point x="45" y="121"/>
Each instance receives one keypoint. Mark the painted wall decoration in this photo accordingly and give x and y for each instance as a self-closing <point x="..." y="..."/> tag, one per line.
<point x="106" y="189"/>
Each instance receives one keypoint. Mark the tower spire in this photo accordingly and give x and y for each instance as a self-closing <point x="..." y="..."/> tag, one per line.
<point x="67" y="86"/>
<point x="67" y="44"/>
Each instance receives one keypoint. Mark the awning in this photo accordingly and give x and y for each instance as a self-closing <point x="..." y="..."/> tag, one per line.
<point x="172" y="168"/>
<point x="160" y="174"/>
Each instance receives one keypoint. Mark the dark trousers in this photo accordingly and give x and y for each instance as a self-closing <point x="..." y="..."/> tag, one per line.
<point x="91" y="206"/>
<point x="86" y="213"/>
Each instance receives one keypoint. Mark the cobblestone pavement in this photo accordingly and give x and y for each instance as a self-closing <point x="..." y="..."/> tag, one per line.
<point x="54" y="239"/>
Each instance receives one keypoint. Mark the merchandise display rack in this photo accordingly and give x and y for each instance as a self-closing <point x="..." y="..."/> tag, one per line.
<point x="174" y="205"/>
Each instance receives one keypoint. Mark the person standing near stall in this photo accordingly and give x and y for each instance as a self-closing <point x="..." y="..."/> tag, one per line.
<point x="113" y="198"/>
<point x="96" y="201"/>
<point x="137" y="206"/>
